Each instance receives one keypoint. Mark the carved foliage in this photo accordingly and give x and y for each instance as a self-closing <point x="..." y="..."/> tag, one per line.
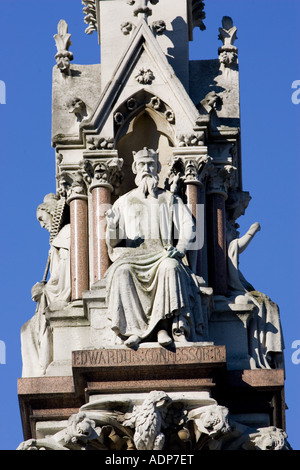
<point x="106" y="172"/>
<point x="90" y="18"/>
<point x="159" y="423"/>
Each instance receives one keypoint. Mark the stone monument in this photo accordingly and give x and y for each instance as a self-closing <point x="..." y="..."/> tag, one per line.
<point x="146" y="335"/>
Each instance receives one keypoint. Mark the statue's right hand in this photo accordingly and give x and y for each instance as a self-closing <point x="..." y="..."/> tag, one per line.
<point x="36" y="291"/>
<point x="111" y="218"/>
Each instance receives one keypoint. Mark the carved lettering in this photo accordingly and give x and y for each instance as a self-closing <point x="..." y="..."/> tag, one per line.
<point x="158" y="356"/>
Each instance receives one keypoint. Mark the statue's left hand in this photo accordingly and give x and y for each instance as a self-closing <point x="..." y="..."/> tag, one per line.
<point x="174" y="253"/>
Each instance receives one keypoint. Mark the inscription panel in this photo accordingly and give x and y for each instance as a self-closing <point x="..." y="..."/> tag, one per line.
<point x="150" y="356"/>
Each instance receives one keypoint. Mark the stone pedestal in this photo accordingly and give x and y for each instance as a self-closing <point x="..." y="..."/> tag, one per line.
<point x="194" y="376"/>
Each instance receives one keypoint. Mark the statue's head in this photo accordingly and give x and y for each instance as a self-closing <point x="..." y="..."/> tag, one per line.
<point x="46" y="210"/>
<point x="146" y="167"/>
<point x="146" y="162"/>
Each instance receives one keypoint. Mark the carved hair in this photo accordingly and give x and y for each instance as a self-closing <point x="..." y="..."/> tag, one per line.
<point x="55" y="207"/>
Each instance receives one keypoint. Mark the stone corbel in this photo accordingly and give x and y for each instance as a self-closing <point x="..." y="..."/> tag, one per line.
<point x="63" y="42"/>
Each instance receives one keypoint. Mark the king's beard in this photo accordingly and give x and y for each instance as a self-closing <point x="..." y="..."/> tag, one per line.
<point x="147" y="184"/>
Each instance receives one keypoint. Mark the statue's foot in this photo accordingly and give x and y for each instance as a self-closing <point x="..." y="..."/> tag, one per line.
<point x="132" y="341"/>
<point x="163" y="338"/>
<point x="180" y="338"/>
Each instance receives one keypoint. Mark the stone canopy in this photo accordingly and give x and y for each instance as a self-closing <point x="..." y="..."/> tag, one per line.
<point x="146" y="335"/>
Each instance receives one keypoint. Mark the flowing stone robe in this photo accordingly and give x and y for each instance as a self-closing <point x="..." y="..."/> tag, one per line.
<point x="36" y="337"/>
<point x="266" y="343"/>
<point x="144" y="284"/>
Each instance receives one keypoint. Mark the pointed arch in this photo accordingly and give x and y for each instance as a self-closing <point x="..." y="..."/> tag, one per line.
<point x="144" y="120"/>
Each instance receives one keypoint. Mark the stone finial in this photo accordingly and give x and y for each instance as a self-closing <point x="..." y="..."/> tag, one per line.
<point x="228" y="52"/>
<point x="228" y="32"/>
<point x="63" y="42"/>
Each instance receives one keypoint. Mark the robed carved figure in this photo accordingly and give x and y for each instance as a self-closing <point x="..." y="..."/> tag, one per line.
<point x="52" y="293"/>
<point x="152" y="295"/>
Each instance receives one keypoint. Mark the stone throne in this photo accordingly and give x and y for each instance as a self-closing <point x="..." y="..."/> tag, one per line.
<point x="221" y="390"/>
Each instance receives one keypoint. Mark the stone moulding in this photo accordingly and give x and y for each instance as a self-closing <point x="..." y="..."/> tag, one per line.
<point x="157" y="421"/>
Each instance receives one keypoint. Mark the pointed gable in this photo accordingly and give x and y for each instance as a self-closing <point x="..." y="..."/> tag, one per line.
<point x="143" y="66"/>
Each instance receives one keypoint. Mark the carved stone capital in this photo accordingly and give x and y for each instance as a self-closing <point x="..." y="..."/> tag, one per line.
<point x="191" y="169"/>
<point x="105" y="172"/>
<point x="72" y="185"/>
<point x="221" y="180"/>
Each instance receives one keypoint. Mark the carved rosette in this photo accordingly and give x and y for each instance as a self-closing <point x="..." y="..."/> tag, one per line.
<point x="145" y="76"/>
<point x="159" y="423"/>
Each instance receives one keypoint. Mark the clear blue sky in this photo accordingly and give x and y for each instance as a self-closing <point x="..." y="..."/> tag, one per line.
<point x="268" y="43"/>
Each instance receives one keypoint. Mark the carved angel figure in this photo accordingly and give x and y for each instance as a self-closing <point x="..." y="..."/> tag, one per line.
<point x="148" y="419"/>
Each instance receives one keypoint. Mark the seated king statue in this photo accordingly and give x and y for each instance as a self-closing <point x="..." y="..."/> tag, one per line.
<point x="152" y="295"/>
